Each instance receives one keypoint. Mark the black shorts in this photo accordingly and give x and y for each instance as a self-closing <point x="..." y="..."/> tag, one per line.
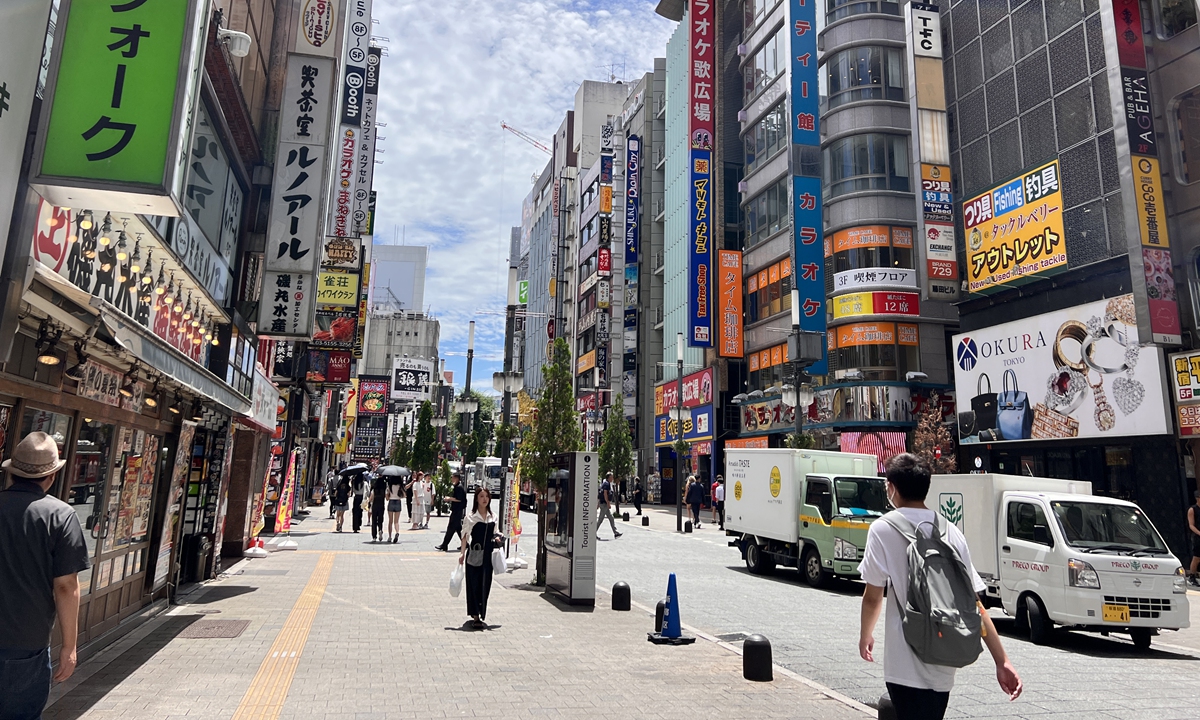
<point x="1196" y="546"/>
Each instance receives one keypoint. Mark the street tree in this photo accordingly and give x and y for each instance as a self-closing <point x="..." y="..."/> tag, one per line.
<point x="425" y="446"/>
<point x="616" y="446"/>
<point x="442" y="487"/>
<point x="931" y="440"/>
<point x="555" y="429"/>
<point x="402" y="449"/>
<point x="474" y="444"/>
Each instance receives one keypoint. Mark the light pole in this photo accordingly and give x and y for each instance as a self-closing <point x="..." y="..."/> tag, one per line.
<point x="804" y="348"/>
<point x="677" y="415"/>
<point x="466" y="405"/>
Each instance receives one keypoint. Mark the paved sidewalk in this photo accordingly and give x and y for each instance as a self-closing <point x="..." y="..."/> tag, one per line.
<point x="376" y="635"/>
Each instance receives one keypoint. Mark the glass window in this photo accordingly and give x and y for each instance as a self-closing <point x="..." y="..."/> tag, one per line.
<point x="767" y="213"/>
<point x="866" y="162"/>
<point x="765" y="138"/>
<point x="757" y="11"/>
<point x="57" y="426"/>
<point x="1027" y="522"/>
<point x="1172" y="17"/>
<point x="132" y="488"/>
<point x="873" y="257"/>
<point x="764" y="65"/>
<point x="89" y="476"/>
<point x="821" y="497"/>
<point x="1186" y="140"/>
<point x="1099" y="525"/>
<point x="838" y="9"/>
<point x="865" y="73"/>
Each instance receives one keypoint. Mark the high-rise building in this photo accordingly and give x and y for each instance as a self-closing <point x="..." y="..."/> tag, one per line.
<point x="398" y="277"/>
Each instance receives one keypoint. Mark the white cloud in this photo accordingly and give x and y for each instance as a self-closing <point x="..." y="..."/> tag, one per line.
<point x="451" y="177"/>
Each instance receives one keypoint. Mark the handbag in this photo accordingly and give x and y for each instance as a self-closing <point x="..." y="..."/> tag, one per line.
<point x="1014" y="415"/>
<point x="456" y="579"/>
<point x="499" y="562"/>
<point x="967" y="425"/>
<point x="984" y="403"/>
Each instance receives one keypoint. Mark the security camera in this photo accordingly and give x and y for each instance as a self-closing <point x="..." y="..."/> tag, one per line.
<point x="237" y="42"/>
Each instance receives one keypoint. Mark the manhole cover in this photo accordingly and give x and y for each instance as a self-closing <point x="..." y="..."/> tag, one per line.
<point x="733" y="637"/>
<point x="215" y="629"/>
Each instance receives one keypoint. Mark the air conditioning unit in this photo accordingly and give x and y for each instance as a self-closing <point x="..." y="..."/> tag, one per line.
<point x="743" y="186"/>
<point x="742" y="50"/>
<point x="742" y="115"/>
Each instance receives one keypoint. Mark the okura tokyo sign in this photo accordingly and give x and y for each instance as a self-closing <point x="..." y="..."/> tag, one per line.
<point x="121" y="91"/>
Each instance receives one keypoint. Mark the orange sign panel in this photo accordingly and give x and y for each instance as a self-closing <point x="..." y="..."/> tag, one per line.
<point x="866" y="334"/>
<point x="729" y="292"/>
<point x="861" y="237"/>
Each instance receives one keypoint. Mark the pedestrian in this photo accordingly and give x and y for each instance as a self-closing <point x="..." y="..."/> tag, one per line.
<point x="712" y="493"/>
<point x="330" y="484"/>
<point x="695" y="498"/>
<point x="418" y="494"/>
<point x="719" y="500"/>
<point x="42" y="550"/>
<point x="478" y="539"/>
<point x="428" y="500"/>
<point x="606" y="496"/>
<point x="359" y="485"/>
<point x="408" y="495"/>
<point x="1193" y="521"/>
<point x="378" y="503"/>
<point x="637" y="494"/>
<point x="618" y="493"/>
<point x="458" y="505"/>
<point x="395" y="503"/>
<point x="918" y="690"/>
<point x="341" y="501"/>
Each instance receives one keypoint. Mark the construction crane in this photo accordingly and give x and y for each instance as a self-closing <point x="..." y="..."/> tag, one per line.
<point x="527" y="138"/>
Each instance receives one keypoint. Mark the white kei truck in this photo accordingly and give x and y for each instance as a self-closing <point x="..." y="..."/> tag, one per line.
<point x="1051" y="553"/>
<point x="808" y="509"/>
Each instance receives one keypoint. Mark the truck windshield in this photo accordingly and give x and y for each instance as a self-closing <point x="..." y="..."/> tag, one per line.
<point x="862" y="497"/>
<point x="493" y="471"/>
<point x="1100" y="527"/>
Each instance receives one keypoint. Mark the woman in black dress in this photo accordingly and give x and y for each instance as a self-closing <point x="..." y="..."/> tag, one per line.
<point x="478" y="540"/>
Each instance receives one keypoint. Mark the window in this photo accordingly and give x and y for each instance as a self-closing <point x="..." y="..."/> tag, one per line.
<point x="767" y="137"/>
<point x="1172" y="17"/>
<point x="880" y="350"/>
<point x="767" y="213"/>
<point x="765" y="64"/>
<point x="1027" y="522"/>
<point x="876" y="257"/>
<point x="821" y="497"/>
<point x="768" y="367"/>
<point x="769" y="291"/>
<point x="865" y="73"/>
<point x="1187" y="137"/>
<point x="866" y="162"/>
<point x="838" y="9"/>
<point x="757" y="11"/>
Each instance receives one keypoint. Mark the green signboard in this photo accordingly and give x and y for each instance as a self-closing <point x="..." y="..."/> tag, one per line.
<point x="121" y="82"/>
<point x="523" y="292"/>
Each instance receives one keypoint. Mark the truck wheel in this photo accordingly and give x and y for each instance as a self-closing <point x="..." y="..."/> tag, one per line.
<point x="814" y="574"/>
<point x="757" y="561"/>
<point x="1040" y="626"/>
<point x="1141" y="638"/>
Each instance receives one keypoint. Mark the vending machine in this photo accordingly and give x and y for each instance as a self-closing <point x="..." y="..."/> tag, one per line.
<point x="572" y="492"/>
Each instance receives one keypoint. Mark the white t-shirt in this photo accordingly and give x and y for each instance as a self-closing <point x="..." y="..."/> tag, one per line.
<point x="884" y="563"/>
<point x="720" y="492"/>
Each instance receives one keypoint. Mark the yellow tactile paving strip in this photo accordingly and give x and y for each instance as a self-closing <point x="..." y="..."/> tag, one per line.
<point x="267" y="692"/>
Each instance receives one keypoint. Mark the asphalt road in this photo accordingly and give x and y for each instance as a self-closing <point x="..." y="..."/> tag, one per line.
<point x="815" y="633"/>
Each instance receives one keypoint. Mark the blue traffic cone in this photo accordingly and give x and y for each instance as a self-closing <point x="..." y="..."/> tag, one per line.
<point x="671" y="627"/>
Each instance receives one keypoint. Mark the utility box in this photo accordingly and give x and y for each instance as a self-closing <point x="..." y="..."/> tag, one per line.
<point x="572" y="494"/>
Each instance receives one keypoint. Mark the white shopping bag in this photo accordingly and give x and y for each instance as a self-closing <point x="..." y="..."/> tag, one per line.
<point x="456" y="579"/>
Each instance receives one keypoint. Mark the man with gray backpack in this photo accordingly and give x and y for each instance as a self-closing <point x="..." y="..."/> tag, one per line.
<point x="934" y="622"/>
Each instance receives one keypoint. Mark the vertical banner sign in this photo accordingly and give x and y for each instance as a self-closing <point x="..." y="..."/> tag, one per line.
<point x="175" y="498"/>
<point x="341" y="222"/>
<point x="1146" y="227"/>
<point x="293" y="250"/>
<point x="729" y="295"/>
<point x="701" y="125"/>
<point x="633" y="175"/>
<point x="283" y="508"/>
<point x="366" y="146"/>
<point x="121" y="96"/>
<point x="22" y="31"/>
<point x="808" y="272"/>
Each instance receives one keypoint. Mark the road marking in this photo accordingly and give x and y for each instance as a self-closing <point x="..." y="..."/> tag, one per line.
<point x="267" y="692"/>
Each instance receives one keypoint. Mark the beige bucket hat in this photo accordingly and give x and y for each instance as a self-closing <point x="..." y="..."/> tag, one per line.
<point x="36" y="456"/>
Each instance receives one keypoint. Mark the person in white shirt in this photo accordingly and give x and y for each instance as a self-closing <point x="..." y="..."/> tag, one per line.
<point x="719" y="500"/>
<point x="479" y="538"/>
<point x="918" y="691"/>
<point x="418" y="496"/>
<point x="427" y="493"/>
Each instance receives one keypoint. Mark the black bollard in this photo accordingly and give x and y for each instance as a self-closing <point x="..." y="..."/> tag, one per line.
<point x="659" y="611"/>
<point x="887" y="711"/>
<point x="625" y="517"/>
<point x="645" y="521"/>
<point x="687" y="526"/>
<point x="756" y="659"/>
<point x="620" y="593"/>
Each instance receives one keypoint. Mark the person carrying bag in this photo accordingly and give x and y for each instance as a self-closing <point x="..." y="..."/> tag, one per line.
<point x="478" y="540"/>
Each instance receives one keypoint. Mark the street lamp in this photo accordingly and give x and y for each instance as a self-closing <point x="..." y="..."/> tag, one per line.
<point x="798" y="397"/>
<point x="595" y="424"/>
<point x="677" y="416"/>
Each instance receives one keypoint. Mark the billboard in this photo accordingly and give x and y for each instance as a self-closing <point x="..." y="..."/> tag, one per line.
<point x="809" y="251"/>
<point x="729" y="295"/>
<point x="701" y="127"/>
<point x="1074" y="373"/>
<point x="697" y="390"/>
<point x="697" y="425"/>
<point x="633" y="174"/>
<point x="410" y="378"/>
<point x="373" y="393"/>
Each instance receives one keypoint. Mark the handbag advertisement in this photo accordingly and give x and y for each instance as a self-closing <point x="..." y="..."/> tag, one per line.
<point x="1074" y="373"/>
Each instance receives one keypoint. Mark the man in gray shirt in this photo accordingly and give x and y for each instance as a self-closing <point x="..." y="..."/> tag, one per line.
<point x="41" y="551"/>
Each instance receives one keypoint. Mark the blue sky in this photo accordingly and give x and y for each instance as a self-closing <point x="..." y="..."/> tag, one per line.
<point x="451" y="178"/>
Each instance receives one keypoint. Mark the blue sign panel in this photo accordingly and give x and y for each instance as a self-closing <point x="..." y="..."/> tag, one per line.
<point x="809" y="271"/>
<point x="699" y="329"/>
<point x="606" y="167"/>
<point x="633" y="174"/>
<point x="697" y="426"/>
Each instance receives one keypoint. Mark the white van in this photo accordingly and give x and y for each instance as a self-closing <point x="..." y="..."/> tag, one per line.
<point x="1051" y="553"/>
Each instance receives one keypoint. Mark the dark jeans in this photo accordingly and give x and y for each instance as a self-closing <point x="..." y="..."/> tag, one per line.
<point x="377" y="521"/>
<point x="637" y="502"/>
<point x="24" y="683"/>
<point x="357" y="513"/>
<point x="918" y="703"/>
<point x="721" y="512"/>
<point x="452" y="529"/>
<point x="696" y="514"/>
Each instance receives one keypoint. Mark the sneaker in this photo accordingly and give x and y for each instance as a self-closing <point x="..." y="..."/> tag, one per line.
<point x="617" y="534"/>
<point x="1194" y="581"/>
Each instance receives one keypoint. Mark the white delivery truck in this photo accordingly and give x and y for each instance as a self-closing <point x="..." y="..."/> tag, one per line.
<point x="802" y="508"/>
<point x="1051" y="553"/>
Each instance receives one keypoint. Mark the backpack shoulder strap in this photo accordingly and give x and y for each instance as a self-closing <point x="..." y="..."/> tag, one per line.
<point x="902" y="524"/>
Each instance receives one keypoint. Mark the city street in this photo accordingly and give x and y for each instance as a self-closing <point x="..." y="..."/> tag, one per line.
<point x="815" y="633"/>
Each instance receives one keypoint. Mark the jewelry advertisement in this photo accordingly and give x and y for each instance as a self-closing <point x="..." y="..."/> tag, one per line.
<point x="1074" y="373"/>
